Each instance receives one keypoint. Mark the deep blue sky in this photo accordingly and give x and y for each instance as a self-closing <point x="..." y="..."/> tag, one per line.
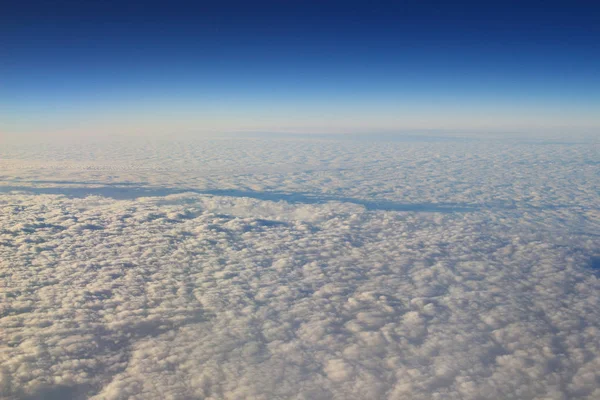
<point x="298" y="66"/>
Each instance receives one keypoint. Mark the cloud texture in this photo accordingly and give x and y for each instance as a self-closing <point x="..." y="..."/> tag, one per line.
<point x="201" y="296"/>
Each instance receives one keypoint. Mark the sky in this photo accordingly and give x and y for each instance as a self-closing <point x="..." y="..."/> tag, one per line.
<point x="90" y="68"/>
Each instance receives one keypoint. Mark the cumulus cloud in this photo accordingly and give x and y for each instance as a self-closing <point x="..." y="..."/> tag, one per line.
<point x="203" y="296"/>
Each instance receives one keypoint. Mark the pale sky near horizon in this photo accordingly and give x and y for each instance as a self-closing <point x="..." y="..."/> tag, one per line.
<point x="91" y="69"/>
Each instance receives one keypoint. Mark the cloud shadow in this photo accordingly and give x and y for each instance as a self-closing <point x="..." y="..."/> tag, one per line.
<point x="129" y="193"/>
<point x="594" y="264"/>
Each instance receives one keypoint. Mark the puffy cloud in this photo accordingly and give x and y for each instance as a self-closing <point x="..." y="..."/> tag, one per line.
<point x="204" y="296"/>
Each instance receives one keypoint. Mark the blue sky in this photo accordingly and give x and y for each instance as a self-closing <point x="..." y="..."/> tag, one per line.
<point x="299" y="66"/>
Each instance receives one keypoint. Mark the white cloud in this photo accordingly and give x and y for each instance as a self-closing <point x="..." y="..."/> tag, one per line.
<point x="202" y="296"/>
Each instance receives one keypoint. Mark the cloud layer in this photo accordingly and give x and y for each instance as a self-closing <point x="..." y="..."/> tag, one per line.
<point x="202" y="296"/>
